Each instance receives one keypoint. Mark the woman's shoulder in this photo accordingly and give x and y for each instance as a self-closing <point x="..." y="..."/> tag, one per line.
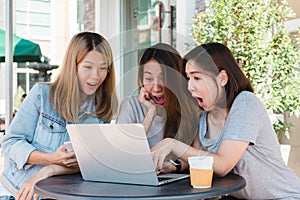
<point x="132" y="104"/>
<point x="131" y="110"/>
<point x="130" y="100"/>
<point x="40" y="89"/>
<point x="41" y="86"/>
<point x="248" y="100"/>
<point x="246" y="96"/>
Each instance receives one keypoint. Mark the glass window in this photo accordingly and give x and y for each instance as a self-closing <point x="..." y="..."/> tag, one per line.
<point x="39" y="5"/>
<point x="33" y="18"/>
<point x="143" y="12"/>
<point x="32" y="21"/>
<point x="21" y="4"/>
<point x="22" y="29"/>
<point x="42" y="19"/>
<point x="25" y="77"/>
<point x="21" y="17"/>
<point x="21" y="81"/>
<point x="37" y="31"/>
<point x="80" y="15"/>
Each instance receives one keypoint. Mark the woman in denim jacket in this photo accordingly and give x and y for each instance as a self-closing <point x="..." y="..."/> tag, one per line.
<point x="84" y="92"/>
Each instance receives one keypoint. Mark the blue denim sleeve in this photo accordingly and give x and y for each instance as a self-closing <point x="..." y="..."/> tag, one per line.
<point x="16" y="143"/>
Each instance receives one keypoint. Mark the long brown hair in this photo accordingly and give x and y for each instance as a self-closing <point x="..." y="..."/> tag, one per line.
<point x="65" y="93"/>
<point x="214" y="57"/>
<point x="177" y="104"/>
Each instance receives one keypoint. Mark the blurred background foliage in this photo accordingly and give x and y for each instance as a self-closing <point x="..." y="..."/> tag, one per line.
<point x="269" y="55"/>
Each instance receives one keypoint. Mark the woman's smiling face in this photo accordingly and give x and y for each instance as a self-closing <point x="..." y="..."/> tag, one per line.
<point x="153" y="80"/>
<point x="92" y="71"/>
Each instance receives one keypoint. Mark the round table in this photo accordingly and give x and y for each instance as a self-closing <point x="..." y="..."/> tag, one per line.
<point x="74" y="187"/>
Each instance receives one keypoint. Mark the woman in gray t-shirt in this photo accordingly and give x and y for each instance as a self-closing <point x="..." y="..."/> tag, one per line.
<point x="234" y="128"/>
<point x="164" y="105"/>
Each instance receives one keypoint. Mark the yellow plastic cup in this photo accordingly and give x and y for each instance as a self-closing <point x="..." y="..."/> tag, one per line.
<point x="201" y="178"/>
<point x="201" y="172"/>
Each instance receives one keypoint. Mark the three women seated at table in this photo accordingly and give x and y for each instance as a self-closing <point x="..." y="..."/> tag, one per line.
<point x="234" y="126"/>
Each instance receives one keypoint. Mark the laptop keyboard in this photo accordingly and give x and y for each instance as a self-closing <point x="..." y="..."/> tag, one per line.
<point x="163" y="178"/>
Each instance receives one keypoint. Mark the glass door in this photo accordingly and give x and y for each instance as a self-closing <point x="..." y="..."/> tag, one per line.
<point x="144" y="23"/>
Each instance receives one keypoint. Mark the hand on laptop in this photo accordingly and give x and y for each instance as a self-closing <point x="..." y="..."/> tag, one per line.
<point x="160" y="151"/>
<point x="168" y="167"/>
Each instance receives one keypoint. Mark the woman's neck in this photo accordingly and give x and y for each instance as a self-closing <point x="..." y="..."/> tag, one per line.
<point x="215" y="122"/>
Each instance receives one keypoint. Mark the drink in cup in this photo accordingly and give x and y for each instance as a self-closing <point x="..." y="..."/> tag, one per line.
<point x="201" y="171"/>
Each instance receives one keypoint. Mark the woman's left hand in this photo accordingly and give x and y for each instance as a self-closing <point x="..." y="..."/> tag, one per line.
<point x="63" y="158"/>
<point x="27" y="189"/>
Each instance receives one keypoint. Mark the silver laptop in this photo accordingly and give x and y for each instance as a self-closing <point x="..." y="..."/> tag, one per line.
<point x="117" y="153"/>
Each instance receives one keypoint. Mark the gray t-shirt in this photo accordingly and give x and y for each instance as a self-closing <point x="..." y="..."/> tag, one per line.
<point x="266" y="174"/>
<point x="132" y="111"/>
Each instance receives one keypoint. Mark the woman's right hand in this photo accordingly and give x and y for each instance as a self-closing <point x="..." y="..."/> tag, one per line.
<point x="146" y="100"/>
<point x="27" y="189"/>
<point x="160" y="151"/>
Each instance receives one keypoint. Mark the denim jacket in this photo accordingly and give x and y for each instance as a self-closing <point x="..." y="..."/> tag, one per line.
<point x="36" y="126"/>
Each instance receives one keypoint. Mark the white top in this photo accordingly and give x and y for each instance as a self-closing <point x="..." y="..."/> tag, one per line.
<point x="266" y="174"/>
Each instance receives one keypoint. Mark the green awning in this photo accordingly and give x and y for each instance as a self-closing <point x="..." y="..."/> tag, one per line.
<point x="24" y="50"/>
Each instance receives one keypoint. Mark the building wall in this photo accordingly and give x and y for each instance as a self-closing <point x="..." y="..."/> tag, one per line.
<point x="63" y="27"/>
<point x="60" y="32"/>
<point x="293" y="24"/>
<point x="2" y="65"/>
<point x="108" y="23"/>
<point x="294" y="4"/>
<point x="2" y="14"/>
<point x="185" y="12"/>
